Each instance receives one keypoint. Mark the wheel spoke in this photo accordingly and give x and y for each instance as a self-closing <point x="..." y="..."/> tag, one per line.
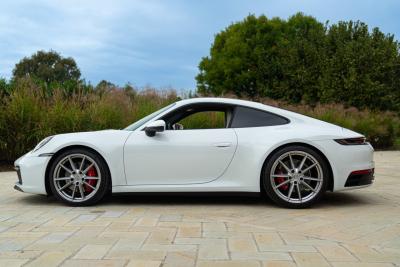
<point x="309" y="167"/>
<point x="291" y="161"/>
<point x="71" y="163"/>
<point x="89" y="185"/>
<point x="312" y="178"/>
<point x="65" y="186"/>
<point x="62" y="178"/>
<point x="290" y="191"/>
<point x="73" y="192"/>
<point x="90" y="166"/>
<point x="277" y="175"/>
<point x="284" y="166"/>
<point x="298" y="192"/>
<point x="302" y="162"/>
<point x="83" y="160"/>
<point x="283" y="183"/>
<point x="65" y="168"/>
<point x="308" y="186"/>
<point x="81" y="191"/>
<point x="92" y="178"/>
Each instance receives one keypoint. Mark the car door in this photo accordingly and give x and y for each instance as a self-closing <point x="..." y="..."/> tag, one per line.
<point x="178" y="157"/>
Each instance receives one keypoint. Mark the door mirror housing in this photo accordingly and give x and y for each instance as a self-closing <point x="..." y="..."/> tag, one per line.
<point x="155" y="126"/>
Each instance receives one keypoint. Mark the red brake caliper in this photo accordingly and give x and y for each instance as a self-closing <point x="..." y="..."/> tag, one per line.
<point x="92" y="182"/>
<point x="279" y="180"/>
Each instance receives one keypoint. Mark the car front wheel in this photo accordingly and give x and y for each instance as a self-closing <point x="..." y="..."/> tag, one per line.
<point x="79" y="177"/>
<point x="295" y="177"/>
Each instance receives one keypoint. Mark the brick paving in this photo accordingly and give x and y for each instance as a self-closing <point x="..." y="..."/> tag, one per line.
<point x="355" y="228"/>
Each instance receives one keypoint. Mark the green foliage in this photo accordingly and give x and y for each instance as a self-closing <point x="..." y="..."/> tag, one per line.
<point x="302" y="60"/>
<point x="28" y="115"/>
<point x="47" y="67"/>
<point x="204" y="120"/>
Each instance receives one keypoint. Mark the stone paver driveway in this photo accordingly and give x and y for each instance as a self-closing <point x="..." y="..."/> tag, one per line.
<point x="357" y="228"/>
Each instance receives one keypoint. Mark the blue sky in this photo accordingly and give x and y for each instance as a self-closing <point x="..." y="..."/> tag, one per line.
<point x="153" y="42"/>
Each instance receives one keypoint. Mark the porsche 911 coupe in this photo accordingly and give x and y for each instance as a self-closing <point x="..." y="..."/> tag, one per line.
<point x="235" y="146"/>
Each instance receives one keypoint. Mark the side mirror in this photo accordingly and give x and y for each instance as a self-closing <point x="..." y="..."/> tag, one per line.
<point x="153" y="127"/>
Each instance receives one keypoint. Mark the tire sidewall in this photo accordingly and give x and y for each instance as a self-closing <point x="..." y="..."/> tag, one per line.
<point x="267" y="182"/>
<point x="105" y="177"/>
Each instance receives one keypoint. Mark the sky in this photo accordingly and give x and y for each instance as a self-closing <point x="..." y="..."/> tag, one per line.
<point x="155" y="43"/>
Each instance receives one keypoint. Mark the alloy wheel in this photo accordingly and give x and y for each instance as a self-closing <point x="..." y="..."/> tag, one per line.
<point x="77" y="177"/>
<point x="296" y="177"/>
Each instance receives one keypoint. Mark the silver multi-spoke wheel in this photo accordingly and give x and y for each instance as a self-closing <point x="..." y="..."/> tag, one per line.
<point x="77" y="177"/>
<point x="296" y="177"/>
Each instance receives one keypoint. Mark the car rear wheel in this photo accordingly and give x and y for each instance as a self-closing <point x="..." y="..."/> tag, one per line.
<point x="295" y="177"/>
<point x="79" y="177"/>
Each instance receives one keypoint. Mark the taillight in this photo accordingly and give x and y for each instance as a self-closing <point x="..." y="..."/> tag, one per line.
<point x="352" y="141"/>
<point x="362" y="172"/>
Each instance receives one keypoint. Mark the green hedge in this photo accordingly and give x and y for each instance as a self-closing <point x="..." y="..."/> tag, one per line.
<point x="27" y="115"/>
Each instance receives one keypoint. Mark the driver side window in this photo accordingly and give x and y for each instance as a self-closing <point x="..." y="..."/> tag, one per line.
<point x="199" y="116"/>
<point x="204" y="120"/>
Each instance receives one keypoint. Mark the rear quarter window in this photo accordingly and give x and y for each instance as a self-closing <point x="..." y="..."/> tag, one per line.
<point x="249" y="117"/>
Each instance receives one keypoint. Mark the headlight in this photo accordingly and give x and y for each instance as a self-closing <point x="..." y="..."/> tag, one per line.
<point x="42" y="143"/>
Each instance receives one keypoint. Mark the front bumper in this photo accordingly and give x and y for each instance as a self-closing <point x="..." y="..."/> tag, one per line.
<point x="31" y="171"/>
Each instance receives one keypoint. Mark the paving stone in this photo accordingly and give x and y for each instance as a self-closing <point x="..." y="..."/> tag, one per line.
<point x="180" y="259"/>
<point x="213" y="249"/>
<point x="92" y="252"/>
<point x="52" y="258"/>
<point x="144" y="263"/>
<point x="356" y="228"/>
<point x="97" y="263"/>
<point x="171" y="218"/>
<point x="309" y="259"/>
<point x="334" y="252"/>
<point x="202" y="263"/>
<point x="12" y="262"/>
<point x="54" y="238"/>
<point x="242" y="245"/>
<point x="279" y="264"/>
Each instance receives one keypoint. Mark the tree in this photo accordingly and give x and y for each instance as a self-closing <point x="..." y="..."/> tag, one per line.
<point x="303" y="60"/>
<point x="47" y="67"/>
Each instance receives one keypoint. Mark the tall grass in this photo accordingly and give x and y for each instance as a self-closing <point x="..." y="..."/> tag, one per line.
<point x="27" y="115"/>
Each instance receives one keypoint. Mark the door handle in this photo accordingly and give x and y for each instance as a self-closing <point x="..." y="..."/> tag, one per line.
<point x="223" y="144"/>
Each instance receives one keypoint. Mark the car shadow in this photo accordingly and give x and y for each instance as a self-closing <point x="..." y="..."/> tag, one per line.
<point x="337" y="199"/>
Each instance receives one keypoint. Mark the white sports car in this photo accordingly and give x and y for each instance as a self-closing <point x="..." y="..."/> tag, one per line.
<point x="292" y="158"/>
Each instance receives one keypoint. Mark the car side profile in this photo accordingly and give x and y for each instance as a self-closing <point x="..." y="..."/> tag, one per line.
<point x="228" y="145"/>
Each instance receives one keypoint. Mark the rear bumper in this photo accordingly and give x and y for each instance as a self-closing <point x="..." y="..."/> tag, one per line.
<point x="360" y="178"/>
<point x="344" y="160"/>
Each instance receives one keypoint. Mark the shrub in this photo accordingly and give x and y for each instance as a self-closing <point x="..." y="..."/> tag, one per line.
<point x="28" y="114"/>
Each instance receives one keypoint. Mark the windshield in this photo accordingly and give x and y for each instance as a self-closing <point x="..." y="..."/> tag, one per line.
<point x="142" y="121"/>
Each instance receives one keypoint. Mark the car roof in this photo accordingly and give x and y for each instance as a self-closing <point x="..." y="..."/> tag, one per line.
<point x="238" y="102"/>
<point x="221" y="100"/>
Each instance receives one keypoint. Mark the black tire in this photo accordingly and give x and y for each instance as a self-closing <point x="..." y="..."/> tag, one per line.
<point x="105" y="180"/>
<point x="267" y="181"/>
